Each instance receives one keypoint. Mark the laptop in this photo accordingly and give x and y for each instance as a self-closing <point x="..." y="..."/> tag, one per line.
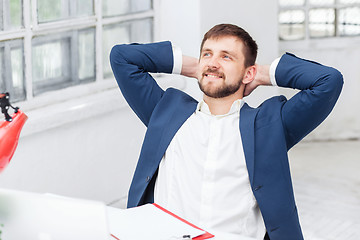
<point x="34" y="216"/>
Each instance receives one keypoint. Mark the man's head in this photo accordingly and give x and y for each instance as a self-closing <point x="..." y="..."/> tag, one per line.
<point x="227" y="58"/>
<point x="227" y="30"/>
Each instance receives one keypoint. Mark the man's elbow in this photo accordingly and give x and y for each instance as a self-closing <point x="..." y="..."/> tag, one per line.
<point x="116" y="55"/>
<point x="336" y="80"/>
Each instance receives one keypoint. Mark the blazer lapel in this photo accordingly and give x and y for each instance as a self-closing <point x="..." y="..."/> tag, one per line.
<point x="247" y="122"/>
<point x="175" y="121"/>
<point x="169" y="115"/>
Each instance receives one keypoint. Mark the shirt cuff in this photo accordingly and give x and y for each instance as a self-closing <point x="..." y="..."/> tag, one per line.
<point x="177" y="60"/>
<point x="272" y="70"/>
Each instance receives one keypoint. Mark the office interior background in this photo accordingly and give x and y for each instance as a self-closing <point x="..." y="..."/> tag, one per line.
<point x="81" y="139"/>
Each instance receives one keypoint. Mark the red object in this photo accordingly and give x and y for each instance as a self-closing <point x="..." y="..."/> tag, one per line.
<point x="114" y="237"/>
<point x="206" y="235"/>
<point x="9" y="136"/>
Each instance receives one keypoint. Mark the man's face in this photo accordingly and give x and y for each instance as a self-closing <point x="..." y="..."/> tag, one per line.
<point x="221" y="66"/>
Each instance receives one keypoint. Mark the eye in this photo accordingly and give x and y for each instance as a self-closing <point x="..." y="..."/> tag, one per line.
<point x="206" y="54"/>
<point x="226" y="57"/>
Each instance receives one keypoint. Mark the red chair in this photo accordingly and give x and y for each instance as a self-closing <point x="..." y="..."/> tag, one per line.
<point x="10" y="130"/>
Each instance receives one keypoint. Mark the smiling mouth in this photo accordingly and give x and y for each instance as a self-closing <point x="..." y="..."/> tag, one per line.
<point x="212" y="75"/>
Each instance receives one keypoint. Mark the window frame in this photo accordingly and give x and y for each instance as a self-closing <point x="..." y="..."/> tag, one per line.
<point x="32" y="28"/>
<point x="337" y="6"/>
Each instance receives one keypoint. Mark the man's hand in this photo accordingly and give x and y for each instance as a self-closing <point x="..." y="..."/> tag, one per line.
<point x="190" y="67"/>
<point x="262" y="77"/>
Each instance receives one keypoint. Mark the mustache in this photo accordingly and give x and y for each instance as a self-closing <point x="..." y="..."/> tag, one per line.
<point x="215" y="72"/>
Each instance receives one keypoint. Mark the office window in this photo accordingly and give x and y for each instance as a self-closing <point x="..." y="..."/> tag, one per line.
<point x="63" y="59"/>
<point x="318" y="19"/>
<point x="52" y="10"/>
<point x="47" y="45"/>
<point x="11" y="14"/>
<point x="134" y="31"/>
<point x="322" y="22"/>
<point x="11" y="69"/>
<point x="349" y="21"/>
<point x="111" y="7"/>
<point x="292" y="24"/>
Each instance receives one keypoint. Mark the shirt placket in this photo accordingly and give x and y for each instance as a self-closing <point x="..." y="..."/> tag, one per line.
<point x="207" y="189"/>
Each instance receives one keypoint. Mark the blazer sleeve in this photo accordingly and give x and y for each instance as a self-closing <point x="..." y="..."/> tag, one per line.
<point x="319" y="86"/>
<point x="131" y="65"/>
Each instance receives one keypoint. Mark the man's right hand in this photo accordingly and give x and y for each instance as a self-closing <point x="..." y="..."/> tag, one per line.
<point x="190" y="67"/>
<point x="262" y="77"/>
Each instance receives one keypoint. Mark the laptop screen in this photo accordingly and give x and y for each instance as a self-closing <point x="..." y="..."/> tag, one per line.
<point x="33" y="216"/>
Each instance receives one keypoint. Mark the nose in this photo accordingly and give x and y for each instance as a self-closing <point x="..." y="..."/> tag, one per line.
<point x="213" y="63"/>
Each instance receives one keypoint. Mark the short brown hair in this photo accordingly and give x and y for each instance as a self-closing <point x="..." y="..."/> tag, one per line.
<point x="222" y="30"/>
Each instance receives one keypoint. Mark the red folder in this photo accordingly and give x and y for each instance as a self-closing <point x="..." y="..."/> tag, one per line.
<point x="206" y="235"/>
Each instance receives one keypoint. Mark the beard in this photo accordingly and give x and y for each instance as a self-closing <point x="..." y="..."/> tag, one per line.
<point x="219" y="92"/>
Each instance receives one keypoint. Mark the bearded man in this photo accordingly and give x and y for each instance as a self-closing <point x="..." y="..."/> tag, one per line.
<point x="219" y="163"/>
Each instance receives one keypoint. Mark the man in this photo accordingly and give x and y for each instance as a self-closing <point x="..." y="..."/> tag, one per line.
<point x="220" y="163"/>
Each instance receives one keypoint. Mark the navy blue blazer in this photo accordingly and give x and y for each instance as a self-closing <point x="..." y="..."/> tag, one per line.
<point x="267" y="132"/>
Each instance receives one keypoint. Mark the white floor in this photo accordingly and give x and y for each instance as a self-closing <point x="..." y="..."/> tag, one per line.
<point x="326" y="180"/>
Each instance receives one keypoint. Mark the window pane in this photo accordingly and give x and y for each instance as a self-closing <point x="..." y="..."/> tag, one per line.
<point x="86" y="43"/>
<point x="1" y="17"/>
<point x="140" y="5"/>
<point x="112" y="35"/>
<point x="115" y="7"/>
<point x="47" y="61"/>
<point x="15" y="14"/>
<point x="348" y="1"/>
<point x="51" y="65"/>
<point x="321" y="2"/>
<point x="51" y="10"/>
<point x="292" y="25"/>
<point x="141" y="31"/>
<point x="120" y="7"/>
<point x="11" y="12"/>
<point x="12" y="70"/>
<point x="288" y="3"/>
<point x="349" y="21"/>
<point x="17" y="74"/>
<point x="84" y="7"/>
<point x="321" y="22"/>
<point x="2" y="71"/>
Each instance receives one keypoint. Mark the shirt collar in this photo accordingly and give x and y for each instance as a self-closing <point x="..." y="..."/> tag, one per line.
<point x="235" y="107"/>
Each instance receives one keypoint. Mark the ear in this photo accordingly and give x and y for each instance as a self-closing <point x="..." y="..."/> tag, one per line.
<point x="250" y="73"/>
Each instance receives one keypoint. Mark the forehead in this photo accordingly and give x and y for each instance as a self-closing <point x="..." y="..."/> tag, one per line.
<point x="224" y="43"/>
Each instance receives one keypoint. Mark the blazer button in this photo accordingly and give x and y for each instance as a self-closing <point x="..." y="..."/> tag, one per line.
<point x="148" y="179"/>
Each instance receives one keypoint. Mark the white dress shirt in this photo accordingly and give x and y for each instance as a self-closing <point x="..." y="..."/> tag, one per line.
<point x="203" y="176"/>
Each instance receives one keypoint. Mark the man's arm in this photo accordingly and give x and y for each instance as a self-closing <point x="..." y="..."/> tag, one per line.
<point x="131" y="65"/>
<point x="320" y="88"/>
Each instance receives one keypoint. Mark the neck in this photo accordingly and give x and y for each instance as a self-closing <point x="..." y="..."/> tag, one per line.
<point x="220" y="106"/>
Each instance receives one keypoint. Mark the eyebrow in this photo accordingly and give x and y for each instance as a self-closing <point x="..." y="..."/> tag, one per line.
<point x="222" y="51"/>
